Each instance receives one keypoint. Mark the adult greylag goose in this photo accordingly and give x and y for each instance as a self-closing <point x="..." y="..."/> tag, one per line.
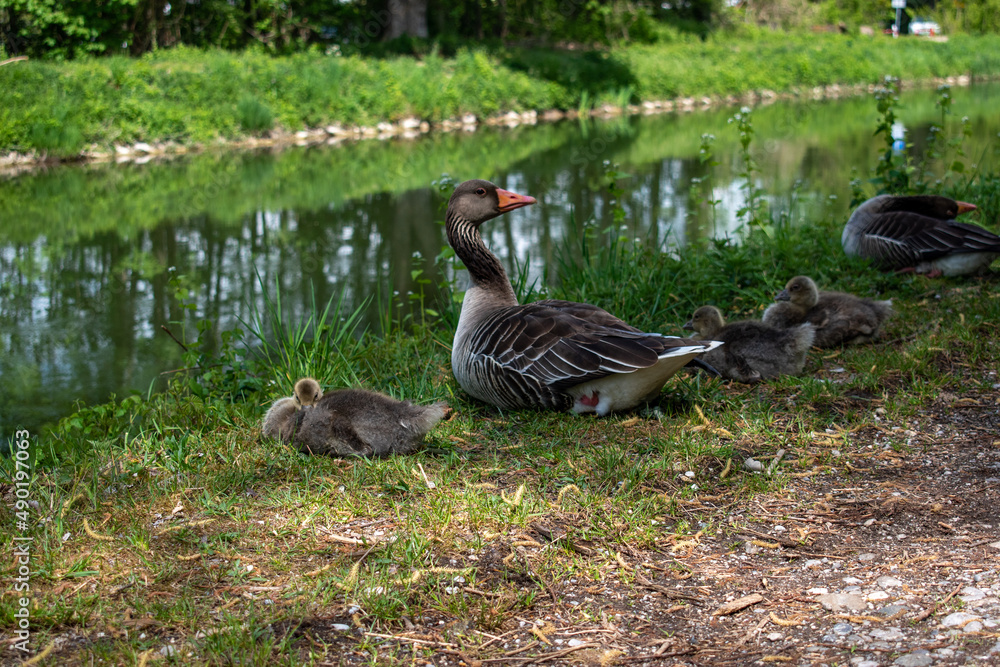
<point x="349" y="422"/>
<point x="753" y="350"/>
<point x="919" y="234"/>
<point x="839" y="318"/>
<point x="551" y="354"/>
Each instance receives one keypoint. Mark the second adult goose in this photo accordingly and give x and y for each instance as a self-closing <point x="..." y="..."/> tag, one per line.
<point x="551" y="354"/>
<point x="839" y="318"/>
<point x="919" y="234"/>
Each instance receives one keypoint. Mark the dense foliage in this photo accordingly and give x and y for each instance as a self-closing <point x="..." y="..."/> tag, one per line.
<point x="187" y="95"/>
<point x="72" y="28"/>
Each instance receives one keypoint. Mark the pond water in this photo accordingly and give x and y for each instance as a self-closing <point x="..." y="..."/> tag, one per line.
<point x="95" y="260"/>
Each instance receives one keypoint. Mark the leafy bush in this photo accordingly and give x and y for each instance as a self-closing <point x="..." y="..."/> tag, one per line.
<point x="188" y="95"/>
<point x="253" y="116"/>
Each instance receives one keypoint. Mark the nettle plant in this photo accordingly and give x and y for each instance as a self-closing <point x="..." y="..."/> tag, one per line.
<point x="898" y="170"/>
<point x="754" y="212"/>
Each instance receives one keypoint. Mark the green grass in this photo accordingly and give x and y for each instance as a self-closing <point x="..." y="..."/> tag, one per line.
<point x="191" y="96"/>
<point x="321" y="343"/>
<point x="170" y="516"/>
<point x="198" y="526"/>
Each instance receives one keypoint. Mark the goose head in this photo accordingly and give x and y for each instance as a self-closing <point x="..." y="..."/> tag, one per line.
<point x="801" y="291"/>
<point x="706" y="321"/>
<point x="949" y="209"/>
<point x="932" y="206"/>
<point x="473" y="203"/>
<point x="477" y="201"/>
<point x="307" y="392"/>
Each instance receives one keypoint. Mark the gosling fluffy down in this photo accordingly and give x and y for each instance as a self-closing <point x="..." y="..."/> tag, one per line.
<point x="353" y="422"/>
<point x="753" y="350"/>
<point x="279" y="422"/>
<point x="839" y="318"/>
<point x="307" y="392"/>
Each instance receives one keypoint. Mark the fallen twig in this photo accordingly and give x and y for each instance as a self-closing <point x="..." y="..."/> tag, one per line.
<point x="738" y="604"/>
<point x="171" y="334"/>
<point x="937" y="605"/>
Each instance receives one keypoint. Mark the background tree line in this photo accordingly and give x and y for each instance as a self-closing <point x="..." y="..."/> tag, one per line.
<point x="70" y="28"/>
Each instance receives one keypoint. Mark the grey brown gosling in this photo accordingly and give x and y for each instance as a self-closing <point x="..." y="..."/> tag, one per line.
<point x="358" y="422"/>
<point x="307" y="392"/>
<point x="753" y="351"/>
<point x="551" y="354"/>
<point x="349" y="422"/>
<point x="919" y="234"/>
<point x="839" y="318"/>
<point x="279" y="422"/>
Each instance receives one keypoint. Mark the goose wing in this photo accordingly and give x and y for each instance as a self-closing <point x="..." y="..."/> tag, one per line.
<point x="560" y="344"/>
<point x="904" y="238"/>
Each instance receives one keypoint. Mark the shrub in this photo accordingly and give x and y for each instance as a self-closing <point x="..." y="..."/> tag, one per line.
<point x="254" y="116"/>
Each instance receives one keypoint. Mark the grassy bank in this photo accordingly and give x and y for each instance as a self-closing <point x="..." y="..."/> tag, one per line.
<point x="172" y="518"/>
<point x="189" y="96"/>
<point x="165" y="527"/>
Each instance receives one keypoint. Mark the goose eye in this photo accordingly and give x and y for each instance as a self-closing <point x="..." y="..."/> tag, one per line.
<point x="480" y="191"/>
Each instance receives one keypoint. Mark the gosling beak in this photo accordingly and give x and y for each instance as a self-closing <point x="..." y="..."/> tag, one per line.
<point x="965" y="207"/>
<point x="783" y="295"/>
<point x="688" y="326"/>
<point x="511" y="200"/>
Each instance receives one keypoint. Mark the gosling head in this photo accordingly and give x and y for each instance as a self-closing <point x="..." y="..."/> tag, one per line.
<point x="477" y="201"/>
<point x="307" y="392"/>
<point x="706" y="321"/>
<point x="800" y="290"/>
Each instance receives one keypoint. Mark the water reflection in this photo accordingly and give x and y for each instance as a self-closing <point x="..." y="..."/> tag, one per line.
<point x="94" y="260"/>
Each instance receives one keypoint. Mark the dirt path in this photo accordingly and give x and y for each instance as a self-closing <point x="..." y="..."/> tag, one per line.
<point x="892" y="560"/>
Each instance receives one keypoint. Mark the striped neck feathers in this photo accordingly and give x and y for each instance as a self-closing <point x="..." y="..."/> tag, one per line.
<point x="484" y="267"/>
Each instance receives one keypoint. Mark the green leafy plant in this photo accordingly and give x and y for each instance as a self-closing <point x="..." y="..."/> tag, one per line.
<point x="254" y="116"/>
<point x="753" y="212"/>
<point x="702" y="187"/>
<point x="893" y="170"/>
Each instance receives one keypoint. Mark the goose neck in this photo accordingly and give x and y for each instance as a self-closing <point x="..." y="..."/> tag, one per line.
<point x="484" y="267"/>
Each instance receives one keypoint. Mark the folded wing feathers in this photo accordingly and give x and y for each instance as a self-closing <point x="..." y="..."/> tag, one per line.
<point x="588" y="313"/>
<point x="562" y="344"/>
<point x="902" y="238"/>
<point x="517" y="390"/>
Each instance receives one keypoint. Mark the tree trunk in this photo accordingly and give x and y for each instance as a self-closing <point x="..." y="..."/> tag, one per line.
<point x="407" y="17"/>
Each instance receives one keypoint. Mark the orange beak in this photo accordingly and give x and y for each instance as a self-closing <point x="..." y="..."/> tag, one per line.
<point x="964" y="207"/>
<point x="511" y="200"/>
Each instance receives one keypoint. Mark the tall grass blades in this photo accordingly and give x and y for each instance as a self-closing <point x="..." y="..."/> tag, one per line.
<point x="320" y="342"/>
<point x="58" y="135"/>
